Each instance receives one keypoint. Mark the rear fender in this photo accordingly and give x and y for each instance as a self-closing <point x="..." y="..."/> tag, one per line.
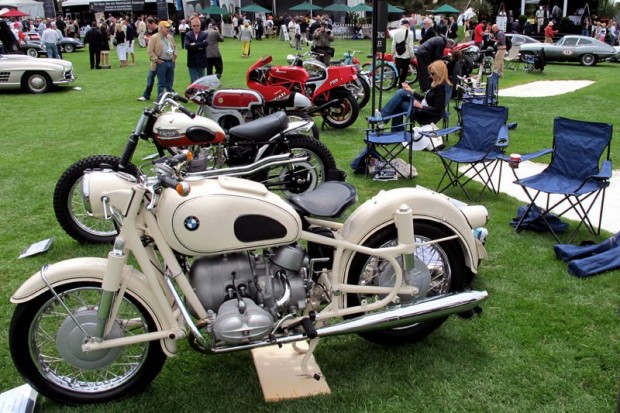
<point x="90" y="269"/>
<point x="378" y="212"/>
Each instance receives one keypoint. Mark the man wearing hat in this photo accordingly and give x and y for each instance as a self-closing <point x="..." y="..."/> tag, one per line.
<point x="163" y="53"/>
<point x="323" y="39"/>
<point x="402" y="55"/>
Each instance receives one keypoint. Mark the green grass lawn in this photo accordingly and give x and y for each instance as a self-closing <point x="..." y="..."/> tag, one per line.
<point x="546" y="341"/>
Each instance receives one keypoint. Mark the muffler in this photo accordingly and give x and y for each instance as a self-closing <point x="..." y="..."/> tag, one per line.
<point x="407" y="314"/>
<point x="404" y="315"/>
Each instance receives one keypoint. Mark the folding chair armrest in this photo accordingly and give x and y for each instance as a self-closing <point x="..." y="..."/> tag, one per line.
<point x="536" y="154"/>
<point x="605" y="172"/>
<point x="440" y="132"/>
<point x="373" y="119"/>
<point x="502" y="137"/>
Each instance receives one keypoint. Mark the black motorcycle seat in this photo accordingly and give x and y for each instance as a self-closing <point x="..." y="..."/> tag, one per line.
<point x="261" y="129"/>
<point x="330" y="199"/>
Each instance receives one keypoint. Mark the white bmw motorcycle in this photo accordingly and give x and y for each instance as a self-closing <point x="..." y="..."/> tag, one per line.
<point x="230" y="266"/>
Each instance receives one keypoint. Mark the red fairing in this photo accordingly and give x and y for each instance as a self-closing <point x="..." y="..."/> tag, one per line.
<point x="236" y="99"/>
<point x="294" y="74"/>
<point x="336" y="76"/>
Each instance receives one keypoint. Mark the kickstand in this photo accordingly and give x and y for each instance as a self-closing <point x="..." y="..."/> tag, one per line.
<point x="304" y="362"/>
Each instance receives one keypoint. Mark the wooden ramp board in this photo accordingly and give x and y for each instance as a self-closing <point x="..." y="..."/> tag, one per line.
<point x="280" y="374"/>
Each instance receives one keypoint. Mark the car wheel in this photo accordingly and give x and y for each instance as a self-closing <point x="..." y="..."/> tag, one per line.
<point x="68" y="48"/>
<point x="588" y="60"/>
<point x="32" y="52"/>
<point x="36" y="82"/>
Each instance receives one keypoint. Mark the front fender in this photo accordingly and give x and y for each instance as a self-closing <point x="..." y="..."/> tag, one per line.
<point x="91" y="269"/>
<point x="378" y="212"/>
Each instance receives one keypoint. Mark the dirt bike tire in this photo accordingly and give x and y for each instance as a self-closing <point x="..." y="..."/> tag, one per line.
<point x="449" y="276"/>
<point x="40" y="360"/>
<point x="301" y="115"/>
<point x="300" y="178"/>
<point x="69" y="210"/>
<point x="348" y="109"/>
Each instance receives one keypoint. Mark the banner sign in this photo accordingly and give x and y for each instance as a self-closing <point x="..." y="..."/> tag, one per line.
<point x="162" y="9"/>
<point x="117" y="6"/>
<point x="49" y="7"/>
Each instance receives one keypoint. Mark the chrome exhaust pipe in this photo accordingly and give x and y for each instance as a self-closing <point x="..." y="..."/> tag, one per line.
<point x="407" y="314"/>
<point x="243" y="170"/>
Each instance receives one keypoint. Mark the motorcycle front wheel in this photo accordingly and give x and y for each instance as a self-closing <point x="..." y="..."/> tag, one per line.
<point x="69" y="206"/>
<point x="360" y="88"/>
<point x="384" y="77"/>
<point x="45" y="345"/>
<point x="305" y="175"/>
<point x="444" y="261"/>
<point x="344" y="114"/>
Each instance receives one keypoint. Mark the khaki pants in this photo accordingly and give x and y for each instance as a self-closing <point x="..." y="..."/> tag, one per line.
<point x="499" y="60"/>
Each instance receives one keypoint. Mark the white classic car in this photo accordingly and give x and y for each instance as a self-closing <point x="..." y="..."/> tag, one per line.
<point x="18" y="71"/>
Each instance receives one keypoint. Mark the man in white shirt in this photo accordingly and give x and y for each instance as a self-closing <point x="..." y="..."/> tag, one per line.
<point x="50" y="38"/>
<point x="402" y="36"/>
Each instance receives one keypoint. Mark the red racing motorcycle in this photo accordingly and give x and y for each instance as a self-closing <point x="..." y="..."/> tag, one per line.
<point x="328" y="93"/>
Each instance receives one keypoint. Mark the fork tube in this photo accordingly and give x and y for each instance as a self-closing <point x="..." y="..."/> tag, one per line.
<point x="404" y="226"/>
<point x="117" y="258"/>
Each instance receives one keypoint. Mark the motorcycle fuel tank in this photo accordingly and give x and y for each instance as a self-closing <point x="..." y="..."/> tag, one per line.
<point x="226" y="214"/>
<point x="288" y="74"/>
<point x="177" y="129"/>
<point x="236" y="99"/>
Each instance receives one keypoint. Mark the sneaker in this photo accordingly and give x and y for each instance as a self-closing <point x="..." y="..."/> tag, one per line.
<point x="142" y="98"/>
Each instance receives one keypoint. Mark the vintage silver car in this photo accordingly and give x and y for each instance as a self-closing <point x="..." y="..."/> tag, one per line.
<point x="571" y="48"/>
<point x="520" y="39"/>
<point x="18" y="71"/>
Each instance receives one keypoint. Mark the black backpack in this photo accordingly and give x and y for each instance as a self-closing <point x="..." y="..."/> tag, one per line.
<point x="508" y="43"/>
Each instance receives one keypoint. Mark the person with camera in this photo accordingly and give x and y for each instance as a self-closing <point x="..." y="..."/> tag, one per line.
<point x="323" y="39"/>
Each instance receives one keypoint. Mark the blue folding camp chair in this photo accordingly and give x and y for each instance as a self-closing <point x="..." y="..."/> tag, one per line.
<point x="387" y="144"/>
<point x="486" y="94"/>
<point x="483" y="139"/>
<point x="575" y="173"/>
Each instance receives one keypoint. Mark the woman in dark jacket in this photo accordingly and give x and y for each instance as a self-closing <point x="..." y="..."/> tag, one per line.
<point x="427" y="108"/>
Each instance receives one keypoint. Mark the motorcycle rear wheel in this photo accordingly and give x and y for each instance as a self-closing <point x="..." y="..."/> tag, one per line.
<point x="390" y="76"/>
<point x="69" y="207"/>
<point x="45" y="347"/>
<point x="344" y="114"/>
<point x="444" y="260"/>
<point x="301" y="177"/>
<point x="412" y="74"/>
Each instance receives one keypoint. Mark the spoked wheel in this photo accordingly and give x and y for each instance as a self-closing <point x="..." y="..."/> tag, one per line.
<point x="69" y="206"/>
<point x="344" y="114"/>
<point x="412" y="74"/>
<point x="360" y="88"/>
<point x="45" y="345"/>
<point x="443" y="261"/>
<point x="305" y="175"/>
<point x="390" y="77"/>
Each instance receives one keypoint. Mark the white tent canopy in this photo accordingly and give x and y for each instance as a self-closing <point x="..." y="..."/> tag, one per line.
<point x="33" y="8"/>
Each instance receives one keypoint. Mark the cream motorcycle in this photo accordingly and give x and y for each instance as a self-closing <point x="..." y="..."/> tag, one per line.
<point x="230" y="266"/>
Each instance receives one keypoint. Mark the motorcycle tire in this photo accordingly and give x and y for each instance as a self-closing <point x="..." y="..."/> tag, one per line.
<point x="301" y="177"/>
<point x="344" y="114"/>
<point x="298" y="115"/>
<point x="69" y="207"/>
<point x="390" y="76"/>
<point x="412" y="74"/>
<point x="363" y="95"/>
<point x="63" y="372"/>
<point x="444" y="260"/>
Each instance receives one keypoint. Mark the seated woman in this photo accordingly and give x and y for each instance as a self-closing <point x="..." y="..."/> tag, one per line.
<point x="427" y="108"/>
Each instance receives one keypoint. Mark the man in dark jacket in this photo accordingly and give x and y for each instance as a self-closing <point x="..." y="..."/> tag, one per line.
<point x="93" y="39"/>
<point x="431" y="50"/>
<point x="196" y="45"/>
<point x="427" y="31"/>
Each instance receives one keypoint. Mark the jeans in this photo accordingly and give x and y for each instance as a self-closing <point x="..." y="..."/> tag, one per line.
<point x="150" y="81"/>
<point x="165" y="77"/>
<point x="399" y="103"/>
<point x="195" y="73"/>
<point x="52" y="51"/>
